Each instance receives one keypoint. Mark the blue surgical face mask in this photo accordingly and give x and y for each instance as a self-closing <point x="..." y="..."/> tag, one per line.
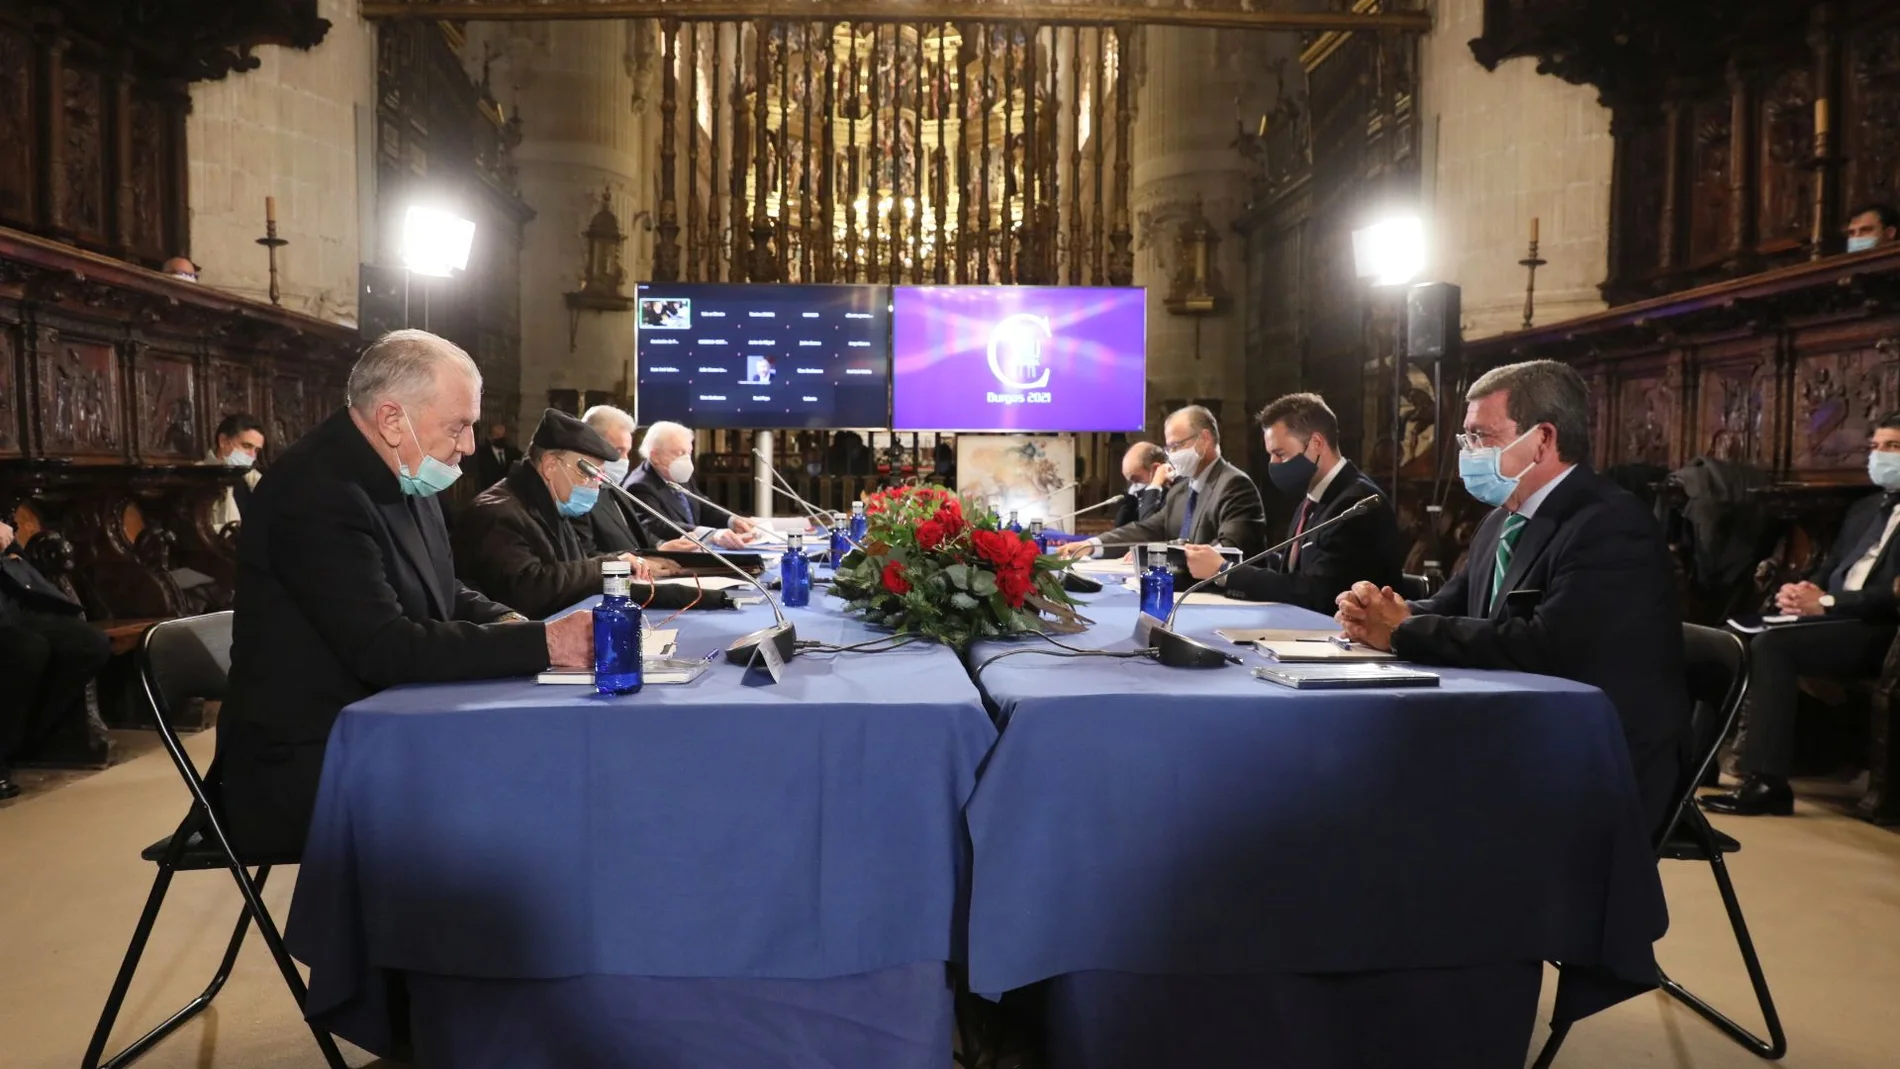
<point x="1884" y="469"/>
<point x="431" y="477"/>
<point x="580" y="501"/>
<point x="1484" y="479"/>
<point x="1861" y="243"/>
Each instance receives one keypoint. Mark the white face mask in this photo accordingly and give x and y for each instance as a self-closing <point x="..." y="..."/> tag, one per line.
<point x="615" y="471"/>
<point x="239" y="458"/>
<point x="1186" y="461"/>
<point x="681" y="470"/>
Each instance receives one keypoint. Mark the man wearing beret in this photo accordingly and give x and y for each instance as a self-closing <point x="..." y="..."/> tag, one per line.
<point x="515" y="542"/>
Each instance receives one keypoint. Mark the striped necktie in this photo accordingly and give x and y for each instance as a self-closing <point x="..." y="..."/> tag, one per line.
<point x="1187" y="521"/>
<point x="1507" y="542"/>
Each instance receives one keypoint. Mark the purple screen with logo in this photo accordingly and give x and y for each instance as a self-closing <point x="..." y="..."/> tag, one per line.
<point x="1018" y="358"/>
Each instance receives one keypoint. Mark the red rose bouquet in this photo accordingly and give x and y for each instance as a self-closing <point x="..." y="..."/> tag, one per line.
<point x="930" y="567"/>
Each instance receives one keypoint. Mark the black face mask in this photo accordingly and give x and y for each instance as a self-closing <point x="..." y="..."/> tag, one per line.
<point x="1293" y="475"/>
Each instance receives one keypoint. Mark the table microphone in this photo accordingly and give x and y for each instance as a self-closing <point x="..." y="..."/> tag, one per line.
<point x="742" y="650"/>
<point x="816" y="514"/>
<point x="1083" y="512"/>
<point x="1178" y="651"/>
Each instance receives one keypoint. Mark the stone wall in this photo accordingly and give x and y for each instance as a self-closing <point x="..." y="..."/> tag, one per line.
<point x="288" y="129"/>
<point x="1503" y="148"/>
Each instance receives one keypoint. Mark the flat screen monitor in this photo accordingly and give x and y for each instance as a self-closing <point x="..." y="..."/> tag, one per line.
<point x="712" y="355"/>
<point x="1018" y="358"/>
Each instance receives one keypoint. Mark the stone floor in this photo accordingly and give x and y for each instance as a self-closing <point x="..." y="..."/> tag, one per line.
<point x="1822" y="891"/>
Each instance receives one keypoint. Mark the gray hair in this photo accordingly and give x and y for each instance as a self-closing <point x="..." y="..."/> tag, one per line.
<point x="1199" y="419"/>
<point x="659" y="432"/>
<point x="1543" y="391"/>
<point x="401" y="365"/>
<point x="606" y="417"/>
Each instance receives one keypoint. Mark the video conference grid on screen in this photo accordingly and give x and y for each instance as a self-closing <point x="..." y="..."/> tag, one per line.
<point x="915" y="358"/>
<point x="713" y="355"/>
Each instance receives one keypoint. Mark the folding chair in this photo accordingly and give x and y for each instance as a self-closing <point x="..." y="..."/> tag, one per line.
<point x="180" y="660"/>
<point x="1717" y="664"/>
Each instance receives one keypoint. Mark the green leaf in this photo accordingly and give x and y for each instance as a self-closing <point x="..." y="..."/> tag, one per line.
<point x="959" y="576"/>
<point x="963" y="602"/>
<point x="982" y="584"/>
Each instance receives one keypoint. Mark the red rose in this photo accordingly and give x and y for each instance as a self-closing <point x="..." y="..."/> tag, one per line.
<point x="1015" y="585"/>
<point x="930" y="535"/>
<point x="950" y="519"/>
<point x="1026" y="553"/>
<point x="894" y="580"/>
<point x="997" y="547"/>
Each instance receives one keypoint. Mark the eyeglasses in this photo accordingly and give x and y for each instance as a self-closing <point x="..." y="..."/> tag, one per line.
<point x="580" y="477"/>
<point x="1183" y="443"/>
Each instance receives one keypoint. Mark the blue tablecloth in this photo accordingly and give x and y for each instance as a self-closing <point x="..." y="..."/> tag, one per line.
<point x="723" y="828"/>
<point x="1141" y="819"/>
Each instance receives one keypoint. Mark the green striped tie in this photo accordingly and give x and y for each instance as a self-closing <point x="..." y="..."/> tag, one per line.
<point x="1507" y="541"/>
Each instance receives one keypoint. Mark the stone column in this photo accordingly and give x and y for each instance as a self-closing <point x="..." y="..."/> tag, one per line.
<point x="1184" y="163"/>
<point x="582" y="89"/>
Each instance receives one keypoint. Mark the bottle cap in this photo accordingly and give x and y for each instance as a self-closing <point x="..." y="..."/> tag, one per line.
<point x="615" y="567"/>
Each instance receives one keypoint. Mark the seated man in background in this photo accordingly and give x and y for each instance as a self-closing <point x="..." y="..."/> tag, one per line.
<point x="496" y="455"/>
<point x="239" y="440"/>
<point x="345" y="586"/>
<point x="614" y="525"/>
<point x="666" y="469"/>
<point x="48" y="653"/>
<point x="1210" y="502"/>
<point x="1568" y="576"/>
<point x="1300" y="432"/>
<point x="1145" y="466"/>
<point x="516" y="543"/>
<point x="1851" y="612"/>
<point x="1872" y="226"/>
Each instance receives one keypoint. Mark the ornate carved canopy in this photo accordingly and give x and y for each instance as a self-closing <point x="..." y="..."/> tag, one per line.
<point x="195" y="40"/>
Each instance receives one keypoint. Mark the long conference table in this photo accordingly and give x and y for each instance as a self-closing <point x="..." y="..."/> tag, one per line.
<point x="1187" y="867"/>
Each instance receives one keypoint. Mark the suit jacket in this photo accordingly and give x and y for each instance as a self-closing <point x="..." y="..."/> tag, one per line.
<point x="1604" y="614"/>
<point x="1137" y="507"/>
<point x="1366" y="547"/>
<point x="1861" y="529"/>
<point x="1228" y="513"/>
<point x="345" y="587"/>
<point x="486" y="469"/>
<point x="650" y="486"/>
<point x="24" y="590"/>
<point x="513" y="544"/>
<point x="613" y="527"/>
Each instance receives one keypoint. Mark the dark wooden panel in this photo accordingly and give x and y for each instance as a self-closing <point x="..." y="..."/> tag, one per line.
<point x="231" y="391"/>
<point x="290" y="414"/>
<point x="16" y="123"/>
<point x="168" y="407"/>
<point x="9" y="391"/>
<point x="84" y="152"/>
<point x="1838" y="397"/>
<point x="148" y="166"/>
<point x="1709" y="197"/>
<point x="1785" y="211"/>
<point x="80" y="399"/>
<point x="1873" y="129"/>
<point x="1736" y="402"/>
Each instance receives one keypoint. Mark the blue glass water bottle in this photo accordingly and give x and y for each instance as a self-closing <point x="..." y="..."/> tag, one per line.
<point x="617" y="627"/>
<point x="840" y="546"/>
<point x="1036" y="533"/>
<point x="794" y="574"/>
<point x="1157" y="583"/>
<point x="1013" y="524"/>
<point x="860" y="523"/>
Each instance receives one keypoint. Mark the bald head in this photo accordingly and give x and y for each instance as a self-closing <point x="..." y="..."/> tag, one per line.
<point x="1141" y="460"/>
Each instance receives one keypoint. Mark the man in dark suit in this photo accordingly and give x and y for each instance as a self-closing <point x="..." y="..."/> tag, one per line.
<point x="1849" y="615"/>
<point x="345" y="585"/>
<point x="666" y="464"/>
<point x="1300" y="432"/>
<point x="1145" y="466"/>
<point x="1569" y="576"/>
<point x="495" y="457"/>
<point x="48" y="653"/>
<point x="614" y="525"/>
<point x="1210" y="502"/>
<point x="516" y="542"/>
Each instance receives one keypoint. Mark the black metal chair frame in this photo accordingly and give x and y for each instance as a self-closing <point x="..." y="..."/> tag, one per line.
<point x="199" y="844"/>
<point x="1704" y="844"/>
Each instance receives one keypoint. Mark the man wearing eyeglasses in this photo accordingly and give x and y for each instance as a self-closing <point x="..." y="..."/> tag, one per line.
<point x="1568" y="576"/>
<point x="1846" y="613"/>
<point x="1210" y="503"/>
<point x="515" y="542"/>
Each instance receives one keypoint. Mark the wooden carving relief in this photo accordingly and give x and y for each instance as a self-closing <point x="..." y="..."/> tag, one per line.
<point x="146" y="229"/>
<point x="84" y="152"/>
<point x="1709" y="194"/>
<point x="1736" y="400"/>
<point x="9" y="395"/>
<point x="16" y="118"/>
<point x="1647" y="422"/>
<point x="1838" y="397"/>
<point x="1640" y="186"/>
<point x="289" y="415"/>
<point x="1786" y="210"/>
<point x="168" y="411"/>
<point x="1873" y="139"/>
<point x="79" y="399"/>
<point x="230" y="391"/>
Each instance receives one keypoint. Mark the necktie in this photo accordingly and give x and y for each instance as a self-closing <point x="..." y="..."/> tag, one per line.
<point x="1507" y="542"/>
<point x="1187" y="521"/>
<point x="686" y="506"/>
<point x="1299" y="528"/>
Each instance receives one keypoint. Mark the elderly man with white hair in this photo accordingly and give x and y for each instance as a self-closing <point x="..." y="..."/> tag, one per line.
<point x="614" y="526"/>
<point x="346" y="586"/>
<point x="664" y="480"/>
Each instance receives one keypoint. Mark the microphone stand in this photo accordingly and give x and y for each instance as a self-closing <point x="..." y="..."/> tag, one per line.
<point x="742" y="650"/>
<point x="1177" y="650"/>
<point x="816" y="514"/>
<point x="1117" y="499"/>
